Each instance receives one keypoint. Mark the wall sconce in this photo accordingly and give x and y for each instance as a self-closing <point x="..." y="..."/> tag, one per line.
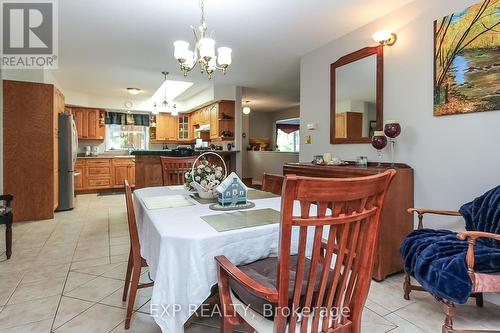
<point x="385" y="37"/>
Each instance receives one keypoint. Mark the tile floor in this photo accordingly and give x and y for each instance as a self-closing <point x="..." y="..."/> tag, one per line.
<point x="66" y="276"/>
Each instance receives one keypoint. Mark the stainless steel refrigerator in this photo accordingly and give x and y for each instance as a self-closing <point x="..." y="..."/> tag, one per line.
<point x="68" y="150"/>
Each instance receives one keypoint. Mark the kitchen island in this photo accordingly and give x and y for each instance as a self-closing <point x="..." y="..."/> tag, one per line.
<point x="148" y="165"/>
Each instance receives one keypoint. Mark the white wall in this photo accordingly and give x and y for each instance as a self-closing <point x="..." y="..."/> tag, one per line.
<point x="455" y="158"/>
<point x="260" y="162"/>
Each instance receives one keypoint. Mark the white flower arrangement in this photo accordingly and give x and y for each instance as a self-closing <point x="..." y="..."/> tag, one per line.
<point x="206" y="175"/>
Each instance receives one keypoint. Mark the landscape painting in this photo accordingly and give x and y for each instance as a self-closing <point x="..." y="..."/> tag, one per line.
<point x="467" y="60"/>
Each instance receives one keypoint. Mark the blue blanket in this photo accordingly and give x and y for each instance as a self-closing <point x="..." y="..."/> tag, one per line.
<point x="436" y="258"/>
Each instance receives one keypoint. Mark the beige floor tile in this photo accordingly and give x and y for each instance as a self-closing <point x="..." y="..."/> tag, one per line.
<point x="76" y="265"/>
<point x="140" y="323"/>
<point x="34" y="290"/>
<point x="98" y="270"/>
<point x="117" y="272"/>
<point x="28" y="312"/>
<point x="428" y="314"/>
<point x="91" y="253"/>
<point x="38" y="327"/>
<point x="96" y="290"/>
<point x="115" y="299"/>
<point x="146" y="308"/>
<point x="389" y="295"/>
<point x="9" y="280"/>
<point x="5" y="294"/>
<point x="76" y="279"/>
<point x="123" y="240"/>
<point x="403" y="326"/>
<point x="198" y="328"/>
<point x="68" y="309"/>
<point x="98" y="319"/>
<point x="377" y="308"/>
<point x="372" y="322"/>
<point x="119" y="249"/>
<point x="119" y="258"/>
<point x="48" y="272"/>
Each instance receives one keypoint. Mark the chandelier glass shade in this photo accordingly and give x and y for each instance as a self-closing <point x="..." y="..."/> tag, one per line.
<point x="165" y="106"/>
<point x="203" y="53"/>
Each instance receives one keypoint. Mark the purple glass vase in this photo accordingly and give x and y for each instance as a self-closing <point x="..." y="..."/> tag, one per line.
<point x="379" y="141"/>
<point x="392" y="128"/>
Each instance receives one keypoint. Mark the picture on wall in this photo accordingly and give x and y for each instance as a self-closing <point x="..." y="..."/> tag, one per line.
<point x="466" y="60"/>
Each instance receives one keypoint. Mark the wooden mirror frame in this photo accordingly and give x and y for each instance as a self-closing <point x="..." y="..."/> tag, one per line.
<point x="347" y="59"/>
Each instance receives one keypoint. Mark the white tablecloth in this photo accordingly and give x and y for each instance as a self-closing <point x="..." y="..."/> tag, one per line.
<point x="180" y="248"/>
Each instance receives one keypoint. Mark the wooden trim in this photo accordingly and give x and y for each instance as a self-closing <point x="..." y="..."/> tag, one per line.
<point x="358" y="55"/>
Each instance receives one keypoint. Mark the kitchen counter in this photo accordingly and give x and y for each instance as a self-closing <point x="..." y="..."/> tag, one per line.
<point x="148" y="171"/>
<point x="168" y="152"/>
<point x="106" y="156"/>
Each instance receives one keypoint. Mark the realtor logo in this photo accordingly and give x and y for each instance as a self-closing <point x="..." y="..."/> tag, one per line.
<point x="29" y="34"/>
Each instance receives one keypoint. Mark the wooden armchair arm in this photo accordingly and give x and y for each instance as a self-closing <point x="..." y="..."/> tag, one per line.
<point x="228" y="268"/>
<point x="471" y="237"/>
<point x="7" y="198"/>
<point x="422" y="211"/>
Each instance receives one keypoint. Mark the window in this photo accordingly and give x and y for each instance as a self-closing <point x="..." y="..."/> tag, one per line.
<point x="288" y="135"/>
<point x="123" y="137"/>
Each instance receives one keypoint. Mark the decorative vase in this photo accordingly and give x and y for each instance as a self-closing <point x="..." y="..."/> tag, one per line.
<point x="379" y="141"/>
<point x="392" y="129"/>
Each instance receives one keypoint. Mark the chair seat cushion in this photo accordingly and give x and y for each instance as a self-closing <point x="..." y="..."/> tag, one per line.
<point x="437" y="260"/>
<point x="265" y="272"/>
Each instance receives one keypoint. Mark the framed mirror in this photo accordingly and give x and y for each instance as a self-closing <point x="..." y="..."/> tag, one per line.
<point x="356" y="96"/>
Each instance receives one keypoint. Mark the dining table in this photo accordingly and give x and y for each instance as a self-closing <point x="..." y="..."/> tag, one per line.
<point x="179" y="247"/>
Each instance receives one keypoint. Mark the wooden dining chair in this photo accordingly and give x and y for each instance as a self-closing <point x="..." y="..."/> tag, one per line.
<point x="175" y="168"/>
<point x="321" y="277"/>
<point x="272" y="183"/>
<point x="135" y="261"/>
<point x="7" y="217"/>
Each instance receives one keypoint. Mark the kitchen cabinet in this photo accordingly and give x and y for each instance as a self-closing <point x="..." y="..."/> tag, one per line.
<point x="123" y="168"/>
<point x="103" y="173"/>
<point x="214" y="122"/>
<point x="185" y="131"/>
<point x="79" y="175"/>
<point x="89" y="123"/>
<point x="30" y="148"/>
<point x="98" y="174"/>
<point x="166" y="127"/>
<point x="222" y="121"/>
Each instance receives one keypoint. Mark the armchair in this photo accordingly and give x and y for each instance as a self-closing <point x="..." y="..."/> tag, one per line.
<point x="456" y="266"/>
<point x="6" y="217"/>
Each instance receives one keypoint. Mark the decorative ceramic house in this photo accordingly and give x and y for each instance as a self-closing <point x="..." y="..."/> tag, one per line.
<point x="232" y="191"/>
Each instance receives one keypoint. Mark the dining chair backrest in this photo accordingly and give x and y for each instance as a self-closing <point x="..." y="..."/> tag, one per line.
<point x="272" y="183"/>
<point x="175" y="168"/>
<point x="132" y="224"/>
<point x="334" y="248"/>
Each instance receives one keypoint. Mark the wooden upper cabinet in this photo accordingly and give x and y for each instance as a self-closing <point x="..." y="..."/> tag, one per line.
<point x="214" y="121"/>
<point x="88" y="123"/>
<point x="166" y="127"/>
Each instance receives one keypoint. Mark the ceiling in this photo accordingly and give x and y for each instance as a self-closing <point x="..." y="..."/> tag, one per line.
<point x="107" y="46"/>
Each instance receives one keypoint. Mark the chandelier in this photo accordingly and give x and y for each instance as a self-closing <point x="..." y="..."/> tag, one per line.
<point x="165" y="105"/>
<point x="204" y="51"/>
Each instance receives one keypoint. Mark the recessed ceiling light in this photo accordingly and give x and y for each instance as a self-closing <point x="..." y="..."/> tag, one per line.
<point x="133" y="91"/>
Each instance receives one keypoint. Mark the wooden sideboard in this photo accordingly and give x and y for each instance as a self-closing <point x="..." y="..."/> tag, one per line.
<point x="395" y="223"/>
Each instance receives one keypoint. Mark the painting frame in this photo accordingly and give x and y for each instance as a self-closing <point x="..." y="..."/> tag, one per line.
<point x="466" y="45"/>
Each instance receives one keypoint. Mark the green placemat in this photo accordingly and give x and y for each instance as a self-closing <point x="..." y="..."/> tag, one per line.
<point x="251" y="195"/>
<point x="243" y="219"/>
<point x="166" y="201"/>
